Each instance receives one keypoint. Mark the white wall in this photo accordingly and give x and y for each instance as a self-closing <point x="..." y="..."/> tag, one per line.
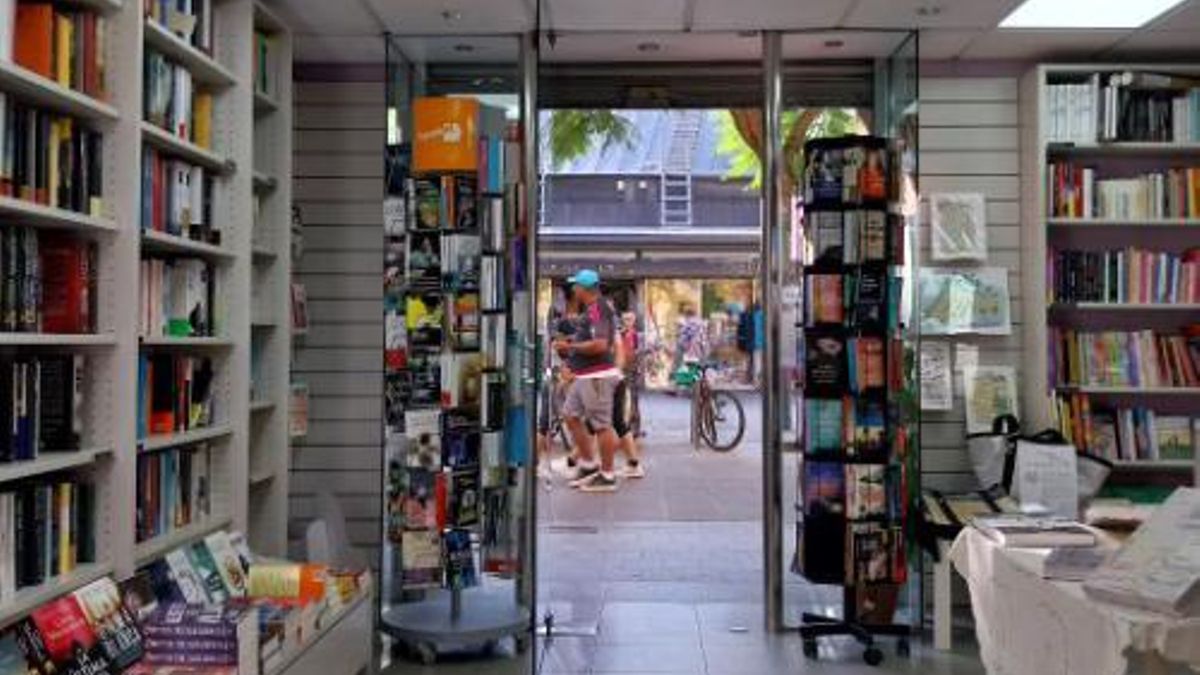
<point x="969" y="143"/>
<point x="338" y="185"/>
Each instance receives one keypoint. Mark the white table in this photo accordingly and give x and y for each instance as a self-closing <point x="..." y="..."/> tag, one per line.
<point x="1027" y="625"/>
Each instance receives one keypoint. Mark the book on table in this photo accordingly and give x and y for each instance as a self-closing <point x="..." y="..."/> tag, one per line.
<point x="1018" y="531"/>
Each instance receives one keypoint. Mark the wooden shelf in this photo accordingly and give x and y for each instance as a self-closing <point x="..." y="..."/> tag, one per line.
<point x="49" y="462"/>
<point x="1126" y="306"/>
<point x="33" y="88"/>
<point x="203" y="67"/>
<point x="20" y="212"/>
<point x="1123" y="148"/>
<point x="171" y="144"/>
<point x="156" y="442"/>
<point x="162" y="242"/>
<point x="1123" y="222"/>
<point x="30" y="598"/>
<point x="264" y="103"/>
<point x="261" y="405"/>
<point x="159" y="546"/>
<point x="57" y="340"/>
<point x="184" y="342"/>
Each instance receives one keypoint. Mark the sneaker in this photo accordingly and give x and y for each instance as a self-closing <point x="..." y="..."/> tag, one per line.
<point x="581" y="474"/>
<point x="634" y="470"/>
<point x="598" y="482"/>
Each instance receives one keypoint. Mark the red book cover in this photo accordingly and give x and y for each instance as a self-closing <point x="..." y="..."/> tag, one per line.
<point x="89" y="54"/>
<point x="441" y="495"/>
<point x="63" y="626"/>
<point x="34" y="33"/>
<point x="66" y="280"/>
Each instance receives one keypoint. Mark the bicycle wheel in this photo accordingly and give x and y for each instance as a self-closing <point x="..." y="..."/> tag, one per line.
<point x="723" y="422"/>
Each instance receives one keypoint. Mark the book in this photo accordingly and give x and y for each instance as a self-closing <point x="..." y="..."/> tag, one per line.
<point x="419" y="499"/>
<point x="1141" y="358"/>
<point x="459" y="559"/>
<point x="460" y="438"/>
<point x="866" y="491"/>
<point x="208" y="573"/>
<point x="177" y="198"/>
<point x="464" y="498"/>
<point x="115" y="627"/>
<point x="421" y="560"/>
<point x="56" y="637"/>
<point x="869" y="552"/>
<point x="68" y="283"/>
<point x="825" y="425"/>
<point x="425" y="319"/>
<point x="34" y="28"/>
<point x="173" y="489"/>
<point x="824" y="489"/>
<point x="825" y="302"/>
<point x="186" y="579"/>
<point x="464" y="321"/>
<point x="175" y="392"/>
<point x="826" y="363"/>
<point x="228" y="563"/>
<point x="1017" y="531"/>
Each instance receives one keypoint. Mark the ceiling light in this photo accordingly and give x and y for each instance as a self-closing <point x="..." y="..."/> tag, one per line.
<point x="463" y="48"/>
<point x="451" y="15"/>
<point x="1086" y="13"/>
<point x="929" y="10"/>
<point x="835" y="44"/>
<point x="648" y="47"/>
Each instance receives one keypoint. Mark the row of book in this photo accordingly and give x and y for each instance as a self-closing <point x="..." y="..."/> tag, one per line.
<point x="63" y="44"/>
<point x="861" y="298"/>
<point x="1126" y="434"/>
<point x="46" y="530"/>
<point x="175" y="393"/>
<point x="1124" y="106"/>
<point x="190" y="20"/>
<point x="1123" y="359"/>
<point x="1132" y="275"/>
<point x="172" y="101"/>
<point x="847" y="172"/>
<point x="446" y="380"/>
<point x="849" y="427"/>
<point x="41" y="405"/>
<point x="174" y="489"/>
<point x="49" y="282"/>
<point x="859" y="554"/>
<point x="431" y="318"/>
<point x="176" y="297"/>
<point x="1073" y="191"/>
<point x="846" y="237"/>
<point x="50" y="158"/>
<point x="853" y="491"/>
<point x="177" y="197"/>
<point x="834" y="363"/>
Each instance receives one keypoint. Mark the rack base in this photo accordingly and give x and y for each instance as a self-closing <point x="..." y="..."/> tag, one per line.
<point x="818" y="626"/>
<point x="430" y="627"/>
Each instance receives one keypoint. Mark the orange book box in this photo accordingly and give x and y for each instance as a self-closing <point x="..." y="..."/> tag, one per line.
<point x="446" y="134"/>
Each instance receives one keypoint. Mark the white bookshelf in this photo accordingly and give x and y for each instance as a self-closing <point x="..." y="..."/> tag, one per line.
<point x="242" y="122"/>
<point x="271" y="262"/>
<point x="1039" y="233"/>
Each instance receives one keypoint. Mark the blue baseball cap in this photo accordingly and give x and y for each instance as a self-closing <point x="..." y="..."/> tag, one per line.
<point x="585" y="278"/>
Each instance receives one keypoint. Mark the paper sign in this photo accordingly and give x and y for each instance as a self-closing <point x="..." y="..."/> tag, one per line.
<point x="1047" y="475"/>
<point x="936" y="390"/>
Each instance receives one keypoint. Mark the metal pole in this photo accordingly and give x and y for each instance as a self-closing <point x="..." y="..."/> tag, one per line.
<point x="770" y="277"/>
<point x="527" y="588"/>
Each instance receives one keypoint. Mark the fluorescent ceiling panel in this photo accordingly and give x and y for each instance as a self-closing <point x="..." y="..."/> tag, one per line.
<point x="1086" y="13"/>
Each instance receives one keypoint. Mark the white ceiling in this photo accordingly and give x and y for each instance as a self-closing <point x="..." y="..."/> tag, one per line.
<point x="350" y="30"/>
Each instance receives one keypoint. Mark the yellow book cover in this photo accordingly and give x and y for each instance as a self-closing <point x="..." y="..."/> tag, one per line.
<point x="54" y="171"/>
<point x="66" y="553"/>
<point x="63" y="42"/>
<point x="202" y="110"/>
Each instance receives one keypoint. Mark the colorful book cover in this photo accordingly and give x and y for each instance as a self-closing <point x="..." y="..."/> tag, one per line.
<point x="427" y="197"/>
<point x="464" y="498"/>
<point x="826" y="363"/>
<point x="420" y="500"/>
<point x="115" y="627"/>
<point x="185" y="577"/>
<point x="866" y="491"/>
<point x="228" y="562"/>
<point x="460" y="559"/>
<point x="425" y="259"/>
<point x="425" y="318"/>
<point x="824" y="488"/>
<point x="206" y="569"/>
<point x="826" y="299"/>
<point x="421" y="560"/>
<point x="1174" y="436"/>
<point x="460" y="440"/>
<point x="63" y="629"/>
<point x="12" y="659"/>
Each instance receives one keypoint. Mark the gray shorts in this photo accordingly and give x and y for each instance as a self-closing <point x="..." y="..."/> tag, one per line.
<point x="591" y="400"/>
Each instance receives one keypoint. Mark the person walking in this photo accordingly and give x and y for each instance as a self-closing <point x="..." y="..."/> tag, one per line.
<point x="590" y="355"/>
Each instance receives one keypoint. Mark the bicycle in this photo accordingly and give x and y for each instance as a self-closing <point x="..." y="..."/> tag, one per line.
<point x="718" y="418"/>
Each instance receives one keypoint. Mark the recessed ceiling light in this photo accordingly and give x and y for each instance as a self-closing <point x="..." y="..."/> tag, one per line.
<point x="648" y="47"/>
<point x="835" y="44"/>
<point x="1086" y="13"/>
<point x="451" y="15"/>
<point x="464" y="48"/>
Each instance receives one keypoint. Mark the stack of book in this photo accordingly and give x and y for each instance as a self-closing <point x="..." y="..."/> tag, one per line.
<point x="41" y="399"/>
<point x="1020" y="531"/>
<point x="171" y="101"/>
<point x="1132" y="275"/>
<point x="1074" y="191"/>
<point x="175" y="393"/>
<point x="1123" y="359"/>
<point x="1126" y="434"/>
<point x="49" y="158"/>
<point x="174" y="489"/>
<point x="1124" y="106"/>
<point x="46" y="530"/>
<point x="177" y="198"/>
<point x="176" y="297"/>
<point x="190" y="20"/>
<point x="62" y="44"/>
<point x="48" y="282"/>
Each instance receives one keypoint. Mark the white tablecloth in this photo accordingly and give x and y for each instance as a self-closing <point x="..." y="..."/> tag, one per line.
<point x="1027" y="625"/>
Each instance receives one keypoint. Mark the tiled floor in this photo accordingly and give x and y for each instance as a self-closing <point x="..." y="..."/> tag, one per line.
<point x="665" y="576"/>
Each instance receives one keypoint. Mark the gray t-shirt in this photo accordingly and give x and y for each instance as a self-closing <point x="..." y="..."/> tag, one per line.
<point x="598" y="321"/>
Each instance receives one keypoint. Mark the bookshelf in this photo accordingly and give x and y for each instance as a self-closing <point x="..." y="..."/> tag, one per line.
<point x="248" y="442"/>
<point x="1107" y="154"/>
<point x="271" y="263"/>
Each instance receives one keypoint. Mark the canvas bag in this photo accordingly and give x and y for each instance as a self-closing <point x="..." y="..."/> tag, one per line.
<point x="991" y="453"/>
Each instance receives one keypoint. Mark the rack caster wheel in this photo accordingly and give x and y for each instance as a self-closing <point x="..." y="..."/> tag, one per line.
<point x="426" y="653"/>
<point x="873" y="656"/>
<point x="903" y="649"/>
<point x="810" y="649"/>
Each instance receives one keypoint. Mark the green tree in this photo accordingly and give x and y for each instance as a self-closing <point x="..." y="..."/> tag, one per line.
<point x="739" y="131"/>
<point x="571" y="134"/>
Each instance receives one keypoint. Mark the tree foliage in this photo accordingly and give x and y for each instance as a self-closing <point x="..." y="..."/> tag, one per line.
<point x="740" y="134"/>
<point x="571" y="134"/>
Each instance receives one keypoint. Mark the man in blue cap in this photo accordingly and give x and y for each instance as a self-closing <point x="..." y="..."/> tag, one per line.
<point x="591" y="356"/>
